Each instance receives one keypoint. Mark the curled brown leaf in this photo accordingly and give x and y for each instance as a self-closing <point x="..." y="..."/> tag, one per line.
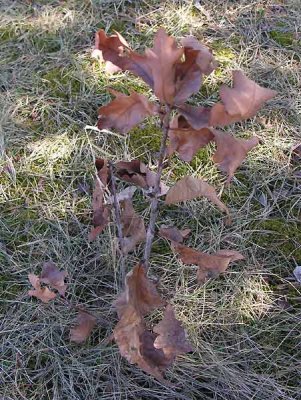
<point x="205" y="59"/>
<point x="174" y="234"/>
<point x="84" y="324"/>
<point x="133" y="227"/>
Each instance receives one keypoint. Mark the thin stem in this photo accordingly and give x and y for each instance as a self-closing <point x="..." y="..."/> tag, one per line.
<point x="154" y="202"/>
<point x="118" y="221"/>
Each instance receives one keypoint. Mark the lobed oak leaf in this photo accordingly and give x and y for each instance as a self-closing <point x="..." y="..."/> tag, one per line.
<point x="205" y="59"/>
<point x="124" y="112"/>
<point x="190" y="188"/>
<point x="240" y="102"/>
<point x="101" y="212"/>
<point x="133" y="227"/>
<point x="84" y="324"/>
<point x="230" y="151"/>
<point x="52" y="276"/>
<point x="185" y="140"/>
<point x="110" y="49"/>
<point x="140" y="293"/>
<point x="171" y="335"/>
<point x="174" y="234"/>
<point x="43" y="294"/>
<point x="246" y="97"/>
<point x="210" y="265"/>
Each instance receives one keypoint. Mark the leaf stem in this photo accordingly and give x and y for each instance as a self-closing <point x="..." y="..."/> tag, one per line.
<point x="118" y="222"/>
<point x="154" y="202"/>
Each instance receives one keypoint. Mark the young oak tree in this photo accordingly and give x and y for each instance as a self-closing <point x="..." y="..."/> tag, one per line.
<point x="174" y="73"/>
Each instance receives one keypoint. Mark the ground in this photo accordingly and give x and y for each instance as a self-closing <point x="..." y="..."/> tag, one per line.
<point x="245" y="325"/>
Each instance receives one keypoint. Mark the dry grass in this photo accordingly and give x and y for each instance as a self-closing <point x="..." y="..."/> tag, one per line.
<point x="245" y="326"/>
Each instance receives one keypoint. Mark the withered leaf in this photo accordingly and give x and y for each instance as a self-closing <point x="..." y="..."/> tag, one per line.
<point x="246" y="97"/>
<point x="84" y="324"/>
<point x="133" y="227"/>
<point x="139" y="292"/>
<point x="205" y="59"/>
<point x="189" y="188"/>
<point x="174" y="234"/>
<point x="137" y="173"/>
<point x="197" y="117"/>
<point x="136" y="343"/>
<point x="101" y="212"/>
<point x="188" y="77"/>
<point x="43" y="294"/>
<point x="111" y="50"/>
<point x="185" y="140"/>
<point x="52" y="276"/>
<point x="210" y="265"/>
<point x="171" y="335"/>
<point x="240" y="102"/>
<point x="124" y="112"/>
<point x="230" y="151"/>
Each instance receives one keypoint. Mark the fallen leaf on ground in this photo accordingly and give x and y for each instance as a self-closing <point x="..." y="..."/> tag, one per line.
<point x="205" y="59"/>
<point x="43" y="294"/>
<point x="52" y="276"/>
<point x="210" y="265"/>
<point x="171" y="336"/>
<point x="133" y="227"/>
<point x="139" y="293"/>
<point x="174" y="234"/>
<point x="190" y="188"/>
<point x="230" y="151"/>
<point x="84" y="324"/>
<point x="185" y="140"/>
<point x="101" y="212"/>
<point x="124" y="112"/>
<point x="110" y="49"/>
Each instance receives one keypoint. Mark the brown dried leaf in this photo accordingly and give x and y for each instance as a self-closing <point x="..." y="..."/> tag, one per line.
<point x="174" y="234"/>
<point x="185" y="140"/>
<point x="136" y="344"/>
<point x="246" y="97"/>
<point x="171" y="336"/>
<point x="210" y="265"/>
<point x="101" y="212"/>
<point x="188" y="77"/>
<point x="84" y="324"/>
<point x="124" y="112"/>
<point x="52" y="276"/>
<point x="140" y="293"/>
<point x="189" y="188"/>
<point x="133" y="227"/>
<point x="110" y="49"/>
<point x="197" y="117"/>
<point x="205" y="59"/>
<point x="220" y="117"/>
<point x="230" y="151"/>
<point x="137" y="173"/>
<point x="43" y="294"/>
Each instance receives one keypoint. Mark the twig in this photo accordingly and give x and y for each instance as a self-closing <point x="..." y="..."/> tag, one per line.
<point x="154" y="202"/>
<point x="118" y="222"/>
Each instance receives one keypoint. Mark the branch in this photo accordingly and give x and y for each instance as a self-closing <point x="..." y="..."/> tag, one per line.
<point x="118" y="222"/>
<point x="154" y="202"/>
